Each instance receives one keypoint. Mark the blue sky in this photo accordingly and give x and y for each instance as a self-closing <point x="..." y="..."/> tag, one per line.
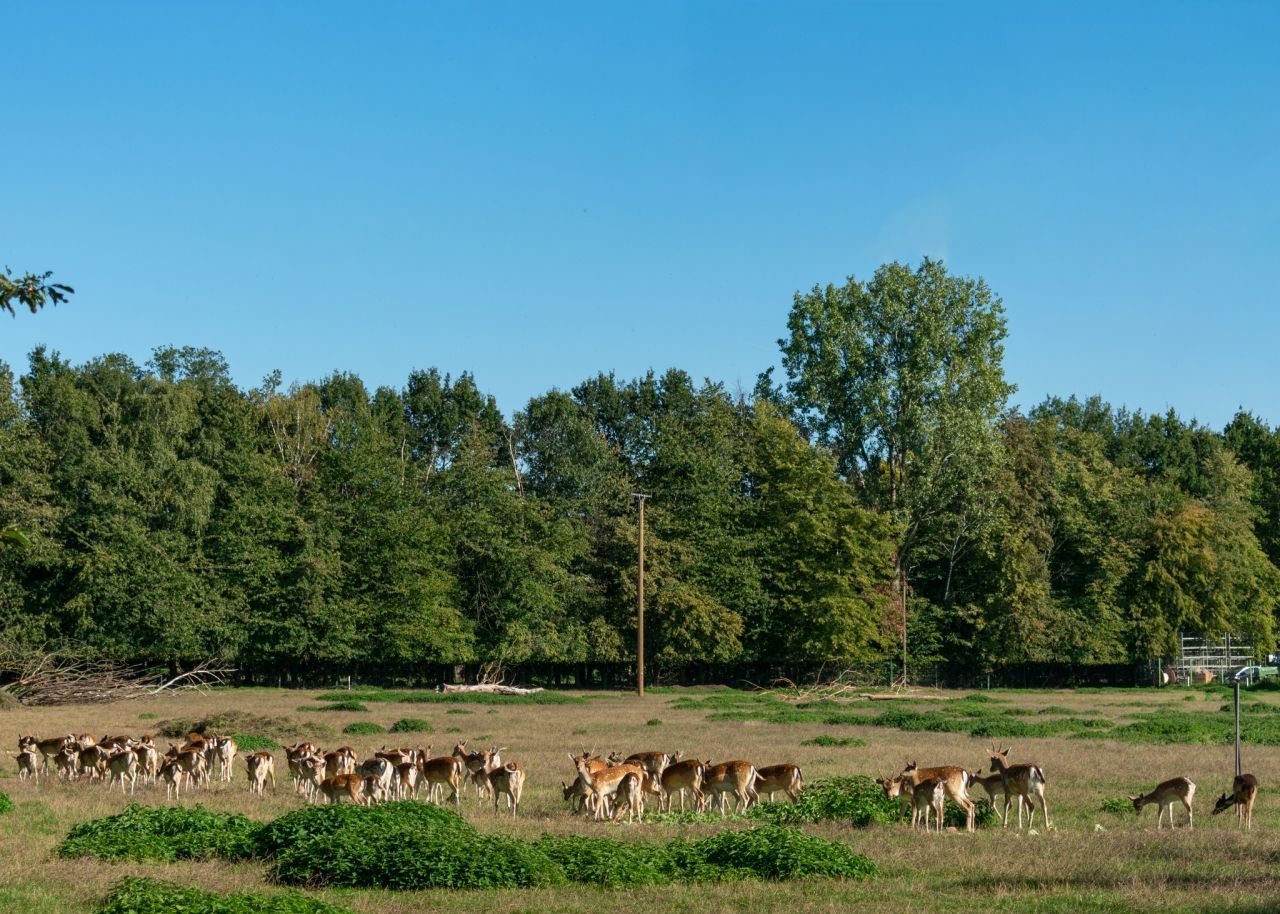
<point x="535" y="192"/>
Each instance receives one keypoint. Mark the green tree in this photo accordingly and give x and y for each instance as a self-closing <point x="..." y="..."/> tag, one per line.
<point x="31" y="291"/>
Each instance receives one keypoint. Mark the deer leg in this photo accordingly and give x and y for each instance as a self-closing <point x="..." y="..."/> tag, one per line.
<point x="1191" y="818"/>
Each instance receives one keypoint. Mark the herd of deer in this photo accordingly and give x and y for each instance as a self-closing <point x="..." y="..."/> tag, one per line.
<point x="604" y="787"/>
<point x="620" y="783"/>
<point x="925" y="790"/>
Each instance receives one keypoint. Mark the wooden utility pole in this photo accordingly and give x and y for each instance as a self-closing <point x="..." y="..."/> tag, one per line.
<point x="640" y="602"/>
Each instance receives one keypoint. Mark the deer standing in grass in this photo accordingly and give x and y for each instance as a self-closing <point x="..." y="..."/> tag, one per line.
<point x="1244" y="790"/>
<point x="507" y="781"/>
<point x="927" y="797"/>
<point x="440" y="771"/>
<point x="787" y="778"/>
<point x="29" y="765"/>
<point x="259" y="767"/>
<point x="955" y="783"/>
<point x="49" y="748"/>
<point x="340" y="785"/>
<point x="173" y="776"/>
<point x="604" y="782"/>
<point x="1167" y="793"/>
<point x="737" y="778"/>
<point x="1026" y="782"/>
<point x="679" y="777"/>
<point x="992" y="785"/>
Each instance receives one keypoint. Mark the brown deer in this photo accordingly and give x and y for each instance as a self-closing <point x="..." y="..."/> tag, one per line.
<point x="311" y="774"/>
<point x="655" y="762"/>
<point x="408" y="780"/>
<point x="991" y="784"/>
<point x="603" y="783"/>
<point x="787" y="778"/>
<point x="955" y="783"/>
<point x="1026" y="782"/>
<point x="259" y="766"/>
<point x="683" y="775"/>
<point x="49" y="748"/>
<point x="335" y="788"/>
<point x="928" y="796"/>
<point x="173" y="776"/>
<point x="441" y="771"/>
<point x="508" y="781"/>
<point x="123" y="767"/>
<point x="1244" y="790"/>
<point x="29" y="765"/>
<point x="1164" y="796"/>
<point x="736" y="777"/>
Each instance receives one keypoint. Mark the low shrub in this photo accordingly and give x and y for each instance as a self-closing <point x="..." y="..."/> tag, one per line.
<point x="363" y="728"/>
<point x="344" y="705"/>
<point x="772" y="852"/>
<point x="249" y="742"/>
<point x="310" y="822"/>
<point x="653" y="722"/>
<point x="148" y="715"/>
<point x="134" y="895"/>
<point x="162" y="833"/>
<point x="604" y="862"/>
<point x="279" y="729"/>
<point x="413" y="725"/>
<point x="856" y="799"/>
<point x="6" y="804"/>
<point x="1118" y="806"/>
<point x="461" y="711"/>
<point x="824" y="740"/>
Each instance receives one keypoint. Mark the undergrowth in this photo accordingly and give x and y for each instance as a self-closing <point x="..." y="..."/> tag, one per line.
<point x="134" y="895"/>
<point x="412" y="725"/>
<point x="162" y="833"/>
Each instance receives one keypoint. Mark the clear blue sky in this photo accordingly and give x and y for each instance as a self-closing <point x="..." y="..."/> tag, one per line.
<point x="538" y="191"/>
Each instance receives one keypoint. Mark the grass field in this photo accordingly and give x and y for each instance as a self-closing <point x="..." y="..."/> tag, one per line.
<point x="1094" y="745"/>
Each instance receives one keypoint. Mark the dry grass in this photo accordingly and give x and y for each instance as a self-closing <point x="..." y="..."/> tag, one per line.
<point x="1127" y="866"/>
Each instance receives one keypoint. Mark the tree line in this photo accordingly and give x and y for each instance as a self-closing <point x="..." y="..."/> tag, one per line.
<point x="880" y="486"/>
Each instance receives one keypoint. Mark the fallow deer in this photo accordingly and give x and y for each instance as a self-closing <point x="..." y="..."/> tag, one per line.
<point x="955" y="783"/>
<point x="655" y="762"/>
<point x="736" y="777"/>
<point x="992" y="785"/>
<point x="29" y="765"/>
<point x="123" y="767"/>
<point x="928" y="796"/>
<point x="681" y="776"/>
<point x="340" y="785"/>
<point x="787" y="778"/>
<point x="1164" y="796"/>
<point x="1244" y="790"/>
<point x="507" y="781"/>
<point x="894" y="789"/>
<point x="173" y="776"/>
<point x="441" y="771"/>
<point x="603" y="783"/>
<point x="259" y="767"/>
<point x="49" y="748"/>
<point x="1026" y="782"/>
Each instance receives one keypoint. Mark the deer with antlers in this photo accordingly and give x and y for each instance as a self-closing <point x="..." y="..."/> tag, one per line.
<point x="1025" y="782"/>
<point x="1244" y="790"/>
<point x="1174" y="790"/>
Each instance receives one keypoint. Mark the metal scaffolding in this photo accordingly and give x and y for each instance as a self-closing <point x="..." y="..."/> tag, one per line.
<point x="1219" y="656"/>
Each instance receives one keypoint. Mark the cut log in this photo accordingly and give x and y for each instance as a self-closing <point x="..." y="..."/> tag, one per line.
<point x="489" y="687"/>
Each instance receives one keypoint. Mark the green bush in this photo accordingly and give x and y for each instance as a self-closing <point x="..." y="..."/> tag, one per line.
<point x="134" y="895"/>
<point x="1118" y="806"/>
<point x="414" y="725"/>
<point x="772" y="852"/>
<point x="461" y="711"/>
<point x="6" y="804"/>
<point x="162" y="833"/>
<point x="280" y="729"/>
<point x="604" y="862"/>
<point x="363" y="728"/>
<point x="148" y="715"/>
<point x="856" y="799"/>
<point x="311" y="822"/>
<point x="824" y="740"/>
<point x="248" y="742"/>
<point x="653" y="722"/>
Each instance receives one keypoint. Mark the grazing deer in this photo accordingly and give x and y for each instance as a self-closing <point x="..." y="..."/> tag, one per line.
<point x="29" y="765"/>
<point x="955" y="783"/>
<point x="1164" y="796"/>
<point x="576" y="794"/>
<point x="259" y="766"/>
<point x="1026" y="782"/>
<point x="899" y="789"/>
<point x="192" y="762"/>
<point x="123" y="766"/>
<point x="508" y="781"/>
<point x="630" y="794"/>
<point x="653" y="762"/>
<point x="684" y="775"/>
<point x="787" y="778"/>
<point x="93" y="762"/>
<point x="928" y="796"/>
<point x="1244" y="790"/>
<point x="736" y="777"/>
<point x="350" y="785"/>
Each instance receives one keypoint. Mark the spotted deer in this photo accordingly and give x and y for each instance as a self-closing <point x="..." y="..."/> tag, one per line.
<point x="1244" y="790"/>
<point x="685" y="775"/>
<point x="603" y="783"/>
<point x="123" y="767"/>
<point x="349" y="785"/>
<point x="440" y="772"/>
<point x="1167" y="793"/>
<point x="927" y="797"/>
<point x="1026" y="782"/>
<point x="173" y="776"/>
<point x="508" y="781"/>
<point x="259" y="767"/>
<point x="955" y="783"/>
<point x="786" y="778"/>
<point x="49" y="748"/>
<point x="736" y="777"/>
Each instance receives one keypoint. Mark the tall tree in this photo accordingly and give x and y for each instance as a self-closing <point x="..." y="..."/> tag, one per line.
<point x="902" y="378"/>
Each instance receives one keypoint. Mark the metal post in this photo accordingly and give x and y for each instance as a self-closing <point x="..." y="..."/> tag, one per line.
<point x="640" y="603"/>
<point x="1237" y="726"/>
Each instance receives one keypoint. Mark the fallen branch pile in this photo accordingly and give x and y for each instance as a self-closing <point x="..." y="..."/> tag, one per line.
<point x="43" y="676"/>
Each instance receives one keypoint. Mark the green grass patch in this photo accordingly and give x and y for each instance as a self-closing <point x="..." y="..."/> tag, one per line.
<point x="6" y="804"/>
<point x="461" y="711"/>
<point x="148" y="715"/>
<point x="344" y="705"/>
<point x="653" y="722"/>
<point x="241" y="723"/>
<point x="363" y="728"/>
<point x="1118" y="806"/>
<point x="134" y="895"/>
<point x="824" y="740"/>
<point x="412" y="725"/>
<point x="475" y="698"/>
<point x="162" y="833"/>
